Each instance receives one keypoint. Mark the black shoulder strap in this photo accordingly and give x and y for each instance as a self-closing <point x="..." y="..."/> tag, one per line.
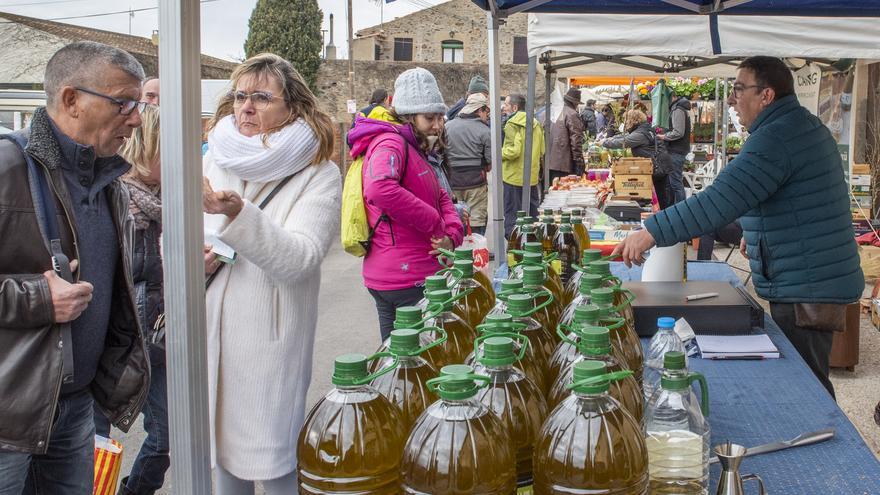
<point x="47" y="215"/>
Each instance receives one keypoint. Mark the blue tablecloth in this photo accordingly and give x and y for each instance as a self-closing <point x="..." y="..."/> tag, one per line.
<point x="757" y="402"/>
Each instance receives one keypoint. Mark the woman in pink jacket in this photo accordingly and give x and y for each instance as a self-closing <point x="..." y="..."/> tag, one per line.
<point x="411" y="213"/>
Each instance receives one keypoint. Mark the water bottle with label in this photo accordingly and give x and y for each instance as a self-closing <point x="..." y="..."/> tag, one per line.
<point x="665" y="340"/>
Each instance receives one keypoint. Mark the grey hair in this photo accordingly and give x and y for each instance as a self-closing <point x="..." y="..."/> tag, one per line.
<point x="519" y="100"/>
<point x="81" y="63"/>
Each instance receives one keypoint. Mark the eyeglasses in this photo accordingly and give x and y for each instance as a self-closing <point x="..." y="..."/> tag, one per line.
<point x="126" y="107"/>
<point x="738" y="89"/>
<point x="260" y="99"/>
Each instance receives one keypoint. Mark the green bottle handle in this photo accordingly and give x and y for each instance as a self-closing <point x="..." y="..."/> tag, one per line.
<point x="503" y="295"/>
<point x="696" y="376"/>
<point x="561" y="330"/>
<point x="523" y="340"/>
<point x="443" y="338"/>
<point x="436" y="308"/>
<point x="630" y="297"/>
<point x="395" y="360"/>
<point x="593" y="380"/>
<point x="444" y="256"/>
<point x="539" y="307"/>
<point x="434" y="383"/>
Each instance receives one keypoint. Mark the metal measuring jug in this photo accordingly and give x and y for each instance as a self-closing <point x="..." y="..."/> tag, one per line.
<point x="730" y="455"/>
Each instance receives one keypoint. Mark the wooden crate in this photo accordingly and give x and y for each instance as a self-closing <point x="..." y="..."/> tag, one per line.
<point x="632" y="166"/>
<point x="633" y="186"/>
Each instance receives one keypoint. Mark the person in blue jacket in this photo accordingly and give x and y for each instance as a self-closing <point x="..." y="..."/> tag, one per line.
<point x="788" y="189"/>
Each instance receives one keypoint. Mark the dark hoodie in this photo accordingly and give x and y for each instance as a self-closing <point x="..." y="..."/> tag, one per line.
<point x="679" y="137"/>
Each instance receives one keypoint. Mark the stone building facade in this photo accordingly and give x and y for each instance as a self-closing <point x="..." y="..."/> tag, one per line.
<point x="454" y="31"/>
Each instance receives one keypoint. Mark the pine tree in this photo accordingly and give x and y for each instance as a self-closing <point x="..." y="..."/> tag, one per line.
<point x="290" y="29"/>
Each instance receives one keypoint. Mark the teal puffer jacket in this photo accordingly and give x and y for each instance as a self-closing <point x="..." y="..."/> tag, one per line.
<point x="787" y="188"/>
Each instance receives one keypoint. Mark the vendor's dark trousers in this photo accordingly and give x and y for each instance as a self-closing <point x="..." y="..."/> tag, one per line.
<point x="153" y="459"/>
<point x="68" y="467"/>
<point x="813" y="346"/>
<point x="513" y="204"/>
<point x="387" y="302"/>
<point x="730" y="234"/>
<point x="661" y="187"/>
<point x="676" y="178"/>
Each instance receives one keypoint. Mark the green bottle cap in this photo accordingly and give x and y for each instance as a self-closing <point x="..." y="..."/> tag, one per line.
<point x="349" y="369"/>
<point x="464" y="253"/>
<point x="407" y="317"/>
<point x="548" y="211"/>
<point x="590" y="255"/>
<point x="586" y="314"/>
<point x="442" y="297"/>
<point x="497" y="351"/>
<point x="594" y="341"/>
<point x="588" y="282"/>
<point x="577" y="212"/>
<point x="674" y="360"/>
<point x="602" y="297"/>
<point x="566" y="227"/>
<point x="533" y="259"/>
<point x="599" y="268"/>
<point x="521" y="221"/>
<point x="520" y="304"/>
<point x="465" y="266"/>
<point x="528" y="228"/>
<point x="511" y="284"/>
<point x="521" y="214"/>
<point x="590" y="369"/>
<point x="533" y="276"/>
<point x="566" y="218"/>
<point x="498" y="318"/>
<point x="533" y="247"/>
<point x="404" y="342"/>
<point x="436" y="282"/>
<point x="576" y="220"/>
<point x="456" y="382"/>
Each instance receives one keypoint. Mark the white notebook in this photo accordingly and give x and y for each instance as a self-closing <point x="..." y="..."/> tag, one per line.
<point x="737" y="347"/>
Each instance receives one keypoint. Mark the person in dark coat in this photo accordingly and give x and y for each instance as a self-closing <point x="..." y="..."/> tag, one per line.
<point x="788" y="189"/>
<point x="640" y="139"/>
<point x="588" y="116"/>
<point x="678" y="144"/>
<point x="566" y="153"/>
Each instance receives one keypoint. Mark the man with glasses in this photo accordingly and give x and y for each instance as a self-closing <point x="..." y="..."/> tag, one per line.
<point x="69" y="333"/>
<point x="787" y="188"/>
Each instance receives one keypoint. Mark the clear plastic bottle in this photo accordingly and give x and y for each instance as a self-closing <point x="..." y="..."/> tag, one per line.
<point x="625" y="336"/>
<point x="511" y="395"/>
<point x="677" y="433"/>
<point x="471" y="296"/>
<point x="467" y="254"/>
<point x="522" y="308"/>
<point x="595" y="345"/>
<point x="623" y="298"/>
<point x="509" y="287"/>
<point x="458" y="445"/>
<point x="590" y="444"/>
<point x="502" y="325"/>
<point x="406" y="386"/>
<point x="352" y="439"/>
<point x="588" y="283"/>
<point x="533" y="256"/>
<point x="460" y="335"/>
<point x="536" y="283"/>
<point x="587" y="256"/>
<point x="665" y="340"/>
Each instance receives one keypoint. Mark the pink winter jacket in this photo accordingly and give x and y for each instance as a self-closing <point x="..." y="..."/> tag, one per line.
<point x="400" y="183"/>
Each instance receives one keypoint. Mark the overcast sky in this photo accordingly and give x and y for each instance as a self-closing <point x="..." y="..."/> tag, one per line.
<point x="224" y="22"/>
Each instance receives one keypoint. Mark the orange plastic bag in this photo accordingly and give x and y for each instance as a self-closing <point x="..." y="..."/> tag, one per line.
<point x="108" y="460"/>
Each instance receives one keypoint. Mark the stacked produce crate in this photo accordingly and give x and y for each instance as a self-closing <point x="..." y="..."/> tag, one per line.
<point x="862" y="198"/>
<point x="632" y="178"/>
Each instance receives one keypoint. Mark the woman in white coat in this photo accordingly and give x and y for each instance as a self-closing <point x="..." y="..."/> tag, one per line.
<point x="262" y="308"/>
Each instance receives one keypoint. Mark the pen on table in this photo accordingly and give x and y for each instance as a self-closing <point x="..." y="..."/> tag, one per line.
<point x="697" y="297"/>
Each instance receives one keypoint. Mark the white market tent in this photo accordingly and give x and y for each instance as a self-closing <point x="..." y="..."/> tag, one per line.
<point x="671" y="37"/>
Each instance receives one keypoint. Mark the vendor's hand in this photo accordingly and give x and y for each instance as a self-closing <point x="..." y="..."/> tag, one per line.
<point x="227" y="203"/>
<point x="212" y="263"/>
<point x="632" y="247"/>
<point x="742" y="248"/>
<point x="442" y="243"/>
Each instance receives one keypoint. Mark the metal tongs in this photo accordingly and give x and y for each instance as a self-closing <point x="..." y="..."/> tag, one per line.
<point x="798" y="441"/>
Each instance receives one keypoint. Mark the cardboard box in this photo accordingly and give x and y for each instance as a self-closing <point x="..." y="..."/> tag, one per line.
<point x="860" y="180"/>
<point x="633" y="186"/>
<point x="861" y="190"/>
<point x="863" y="201"/>
<point x="632" y="166"/>
<point x="861" y="169"/>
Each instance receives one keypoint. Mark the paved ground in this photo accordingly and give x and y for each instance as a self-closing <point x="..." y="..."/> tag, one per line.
<point x="347" y="323"/>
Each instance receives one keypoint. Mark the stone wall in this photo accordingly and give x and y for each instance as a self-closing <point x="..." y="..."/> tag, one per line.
<point x="459" y="20"/>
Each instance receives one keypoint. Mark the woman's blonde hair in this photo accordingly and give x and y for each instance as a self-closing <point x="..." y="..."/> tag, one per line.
<point x="142" y="148"/>
<point x="633" y="118"/>
<point x="296" y="94"/>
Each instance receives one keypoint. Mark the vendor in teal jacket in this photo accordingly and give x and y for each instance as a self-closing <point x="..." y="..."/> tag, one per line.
<point x="787" y="187"/>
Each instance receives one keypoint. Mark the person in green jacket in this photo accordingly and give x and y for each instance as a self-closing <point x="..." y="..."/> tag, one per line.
<point x="512" y="160"/>
<point x="788" y="189"/>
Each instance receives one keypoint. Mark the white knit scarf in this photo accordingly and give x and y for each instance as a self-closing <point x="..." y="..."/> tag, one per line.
<point x="287" y="151"/>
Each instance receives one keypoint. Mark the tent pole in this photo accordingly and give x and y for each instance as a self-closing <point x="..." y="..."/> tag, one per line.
<point x="725" y="122"/>
<point x="183" y="238"/>
<point x="548" y="78"/>
<point x="717" y="167"/>
<point x="496" y="210"/>
<point x="527" y="152"/>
